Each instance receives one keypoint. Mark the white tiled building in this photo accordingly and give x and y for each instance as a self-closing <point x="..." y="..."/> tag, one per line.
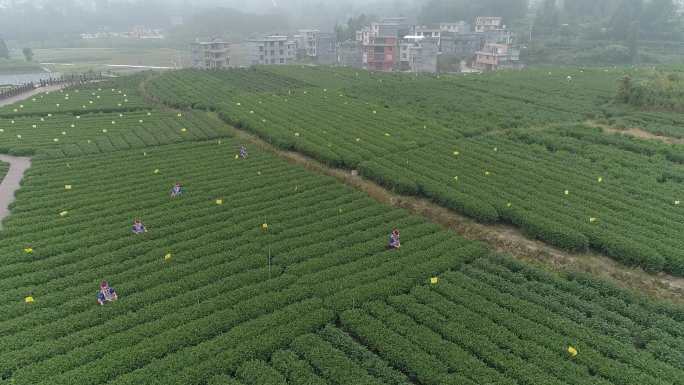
<point x="210" y="54"/>
<point x="274" y="49"/>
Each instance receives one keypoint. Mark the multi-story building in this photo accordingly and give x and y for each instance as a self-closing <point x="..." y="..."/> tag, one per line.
<point x="380" y="54"/>
<point x="488" y="23"/>
<point x="307" y="42"/>
<point x="327" y="48"/>
<point x="497" y="56"/>
<point x="419" y="54"/>
<point x="274" y="49"/>
<point x="380" y="43"/>
<point x="349" y="54"/>
<point x="210" y="54"/>
<point x="458" y="27"/>
<point x="463" y="45"/>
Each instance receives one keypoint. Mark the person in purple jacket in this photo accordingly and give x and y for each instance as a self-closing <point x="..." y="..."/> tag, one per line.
<point x="394" y="242"/>
<point x="138" y="227"/>
<point x="106" y="293"/>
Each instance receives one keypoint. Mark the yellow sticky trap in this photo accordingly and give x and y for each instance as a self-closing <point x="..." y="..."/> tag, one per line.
<point x="237" y="156"/>
<point x="19" y="136"/>
<point x="219" y="141"/>
<point x="104" y="130"/>
<point x="28" y="299"/>
<point x="487" y="173"/>
<point x="434" y="280"/>
<point x="456" y="178"/>
<point x="73" y="125"/>
<point x="496" y="149"/>
<point x="55" y="140"/>
<point x="219" y="201"/>
<point x="457" y="153"/>
<point x="156" y="171"/>
<point x="63" y="213"/>
<point x="34" y="126"/>
<point x="140" y="121"/>
<point x="264" y="227"/>
<point x="167" y="257"/>
<point x="375" y="112"/>
<point x="600" y="179"/>
<point x="572" y="351"/>
<point x="592" y="220"/>
<point x="509" y="204"/>
<point x="297" y="134"/>
<point x="113" y="122"/>
<point x="566" y="192"/>
<point x="149" y="114"/>
<point x="28" y="250"/>
<point x="387" y="134"/>
<point x="184" y="129"/>
<point x="180" y="115"/>
<point x="358" y="139"/>
<point x="677" y="203"/>
<point x="258" y="172"/>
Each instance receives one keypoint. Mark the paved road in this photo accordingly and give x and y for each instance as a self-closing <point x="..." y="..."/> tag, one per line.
<point x="18" y="165"/>
<point x="11" y="183"/>
<point x="29" y="94"/>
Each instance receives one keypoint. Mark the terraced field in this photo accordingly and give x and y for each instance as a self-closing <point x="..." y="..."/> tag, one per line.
<point x="507" y="148"/>
<point x="263" y="272"/>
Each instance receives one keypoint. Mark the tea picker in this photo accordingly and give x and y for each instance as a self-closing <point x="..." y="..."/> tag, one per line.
<point x="138" y="227"/>
<point x="394" y="241"/>
<point x="243" y="152"/>
<point x="106" y="293"/>
<point x="176" y="190"/>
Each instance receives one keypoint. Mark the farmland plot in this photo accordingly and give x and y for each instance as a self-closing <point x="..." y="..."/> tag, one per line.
<point x="199" y="300"/>
<point x="498" y="148"/>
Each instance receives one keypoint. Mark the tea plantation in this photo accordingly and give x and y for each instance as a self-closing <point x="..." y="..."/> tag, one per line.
<point x="263" y="272"/>
<point x="510" y="148"/>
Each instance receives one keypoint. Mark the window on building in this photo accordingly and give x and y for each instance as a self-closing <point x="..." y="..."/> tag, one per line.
<point x="282" y="61"/>
<point x="282" y="52"/>
<point x="261" y="48"/>
<point x="281" y="43"/>
<point x="272" y="61"/>
<point x="272" y="52"/>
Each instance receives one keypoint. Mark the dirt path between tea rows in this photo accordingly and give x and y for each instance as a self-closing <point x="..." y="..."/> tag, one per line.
<point x="503" y="238"/>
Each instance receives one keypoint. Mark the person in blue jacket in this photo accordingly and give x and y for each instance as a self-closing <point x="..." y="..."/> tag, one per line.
<point x="243" y="152"/>
<point x="176" y="190"/>
<point x="106" y="293"/>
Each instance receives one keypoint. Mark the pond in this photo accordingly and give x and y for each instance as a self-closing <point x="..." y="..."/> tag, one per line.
<point x="17" y="79"/>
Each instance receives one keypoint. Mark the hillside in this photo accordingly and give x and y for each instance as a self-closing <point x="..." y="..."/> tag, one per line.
<point x="266" y="272"/>
<point x="513" y="148"/>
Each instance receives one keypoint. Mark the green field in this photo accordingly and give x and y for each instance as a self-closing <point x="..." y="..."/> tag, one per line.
<point x="209" y="295"/>
<point x="506" y="147"/>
